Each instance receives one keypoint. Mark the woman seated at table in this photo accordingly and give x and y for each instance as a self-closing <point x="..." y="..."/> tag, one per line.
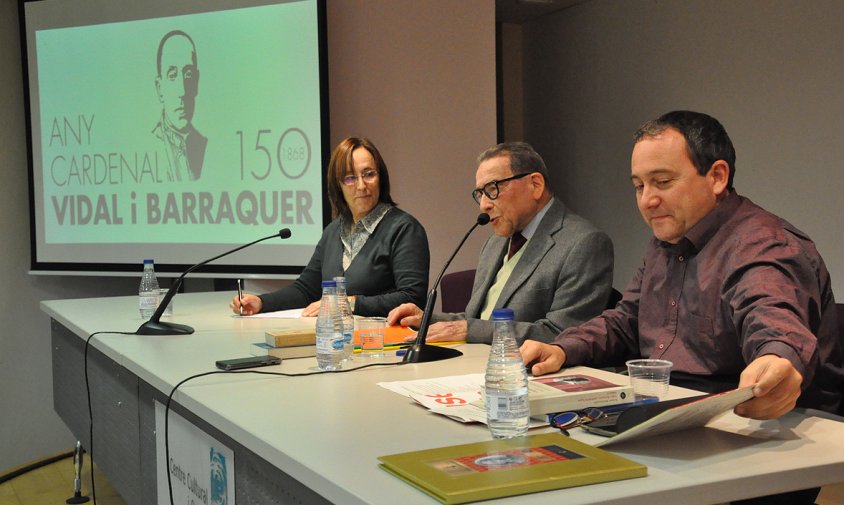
<point x="381" y="250"/>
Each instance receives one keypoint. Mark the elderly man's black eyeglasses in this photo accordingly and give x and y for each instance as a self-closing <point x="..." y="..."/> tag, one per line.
<point x="491" y="188"/>
<point x="565" y="421"/>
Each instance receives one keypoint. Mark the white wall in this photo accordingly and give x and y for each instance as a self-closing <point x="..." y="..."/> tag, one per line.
<point x="29" y="428"/>
<point x="416" y="77"/>
<point x="770" y="70"/>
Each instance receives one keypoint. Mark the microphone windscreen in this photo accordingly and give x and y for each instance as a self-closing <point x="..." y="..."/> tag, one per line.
<point x="285" y="232"/>
<point x="483" y="218"/>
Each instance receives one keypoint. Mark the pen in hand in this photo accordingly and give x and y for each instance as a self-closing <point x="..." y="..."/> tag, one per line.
<point x="240" y="296"/>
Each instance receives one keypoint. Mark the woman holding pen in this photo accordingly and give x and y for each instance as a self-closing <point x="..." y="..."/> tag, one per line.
<point x="381" y="250"/>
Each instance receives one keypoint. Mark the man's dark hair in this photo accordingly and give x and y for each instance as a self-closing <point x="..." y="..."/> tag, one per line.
<point x="164" y="39"/>
<point x="706" y="139"/>
<point x="523" y="159"/>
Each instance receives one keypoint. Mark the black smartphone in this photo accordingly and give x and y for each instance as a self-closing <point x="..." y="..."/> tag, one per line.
<point x="250" y="362"/>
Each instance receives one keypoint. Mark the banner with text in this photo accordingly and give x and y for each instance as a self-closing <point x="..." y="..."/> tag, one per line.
<point x="201" y="468"/>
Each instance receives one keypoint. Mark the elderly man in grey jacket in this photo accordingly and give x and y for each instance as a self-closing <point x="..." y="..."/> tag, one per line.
<point x="551" y="266"/>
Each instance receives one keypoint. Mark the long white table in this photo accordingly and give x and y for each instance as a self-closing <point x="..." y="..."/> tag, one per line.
<point x="316" y="439"/>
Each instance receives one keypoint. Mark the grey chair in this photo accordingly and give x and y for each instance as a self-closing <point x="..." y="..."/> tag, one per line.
<point x="840" y="308"/>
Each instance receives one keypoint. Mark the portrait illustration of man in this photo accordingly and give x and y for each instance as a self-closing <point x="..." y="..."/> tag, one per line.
<point x="177" y="85"/>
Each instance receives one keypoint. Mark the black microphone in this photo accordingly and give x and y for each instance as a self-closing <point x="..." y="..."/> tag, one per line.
<point x="156" y="327"/>
<point x="421" y="352"/>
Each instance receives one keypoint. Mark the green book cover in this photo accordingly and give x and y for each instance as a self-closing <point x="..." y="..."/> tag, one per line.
<point x="508" y="467"/>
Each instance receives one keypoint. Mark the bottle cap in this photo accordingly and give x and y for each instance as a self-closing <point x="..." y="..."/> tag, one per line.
<point x="502" y="314"/>
<point x="329" y="284"/>
<point x="148" y="262"/>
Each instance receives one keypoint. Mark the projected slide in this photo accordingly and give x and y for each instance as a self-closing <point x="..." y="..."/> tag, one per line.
<point x="178" y="131"/>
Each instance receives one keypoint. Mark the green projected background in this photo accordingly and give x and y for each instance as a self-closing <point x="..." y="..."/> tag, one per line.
<point x="175" y="130"/>
<point x="107" y="176"/>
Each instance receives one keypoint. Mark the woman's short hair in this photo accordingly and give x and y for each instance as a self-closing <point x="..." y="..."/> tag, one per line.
<point x="341" y="164"/>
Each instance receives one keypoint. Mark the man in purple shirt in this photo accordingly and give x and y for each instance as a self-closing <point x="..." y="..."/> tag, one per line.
<point x="730" y="293"/>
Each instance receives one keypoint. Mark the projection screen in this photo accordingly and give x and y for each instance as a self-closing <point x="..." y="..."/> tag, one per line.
<point x="175" y="130"/>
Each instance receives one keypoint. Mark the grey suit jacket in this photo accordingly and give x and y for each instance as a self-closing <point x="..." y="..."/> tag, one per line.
<point x="563" y="278"/>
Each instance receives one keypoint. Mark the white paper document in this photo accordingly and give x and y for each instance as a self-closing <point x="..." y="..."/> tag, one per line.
<point x="690" y="415"/>
<point x="458" y="397"/>
<point x="449" y="396"/>
<point x="438" y="385"/>
<point x="279" y="314"/>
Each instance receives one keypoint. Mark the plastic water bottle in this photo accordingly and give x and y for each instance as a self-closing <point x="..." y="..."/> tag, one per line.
<point x="148" y="291"/>
<point x="329" y="330"/>
<point x="506" y="382"/>
<point x="347" y="317"/>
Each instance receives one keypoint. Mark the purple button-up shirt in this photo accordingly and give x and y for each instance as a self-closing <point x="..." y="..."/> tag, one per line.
<point x="741" y="284"/>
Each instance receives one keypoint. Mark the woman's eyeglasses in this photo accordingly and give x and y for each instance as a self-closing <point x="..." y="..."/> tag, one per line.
<point x="368" y="177"/>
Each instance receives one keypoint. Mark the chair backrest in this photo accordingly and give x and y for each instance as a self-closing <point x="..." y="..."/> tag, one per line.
<point x="455" y="290"/>
<point x="615" y="297"/>
<point x="840" y="309"/>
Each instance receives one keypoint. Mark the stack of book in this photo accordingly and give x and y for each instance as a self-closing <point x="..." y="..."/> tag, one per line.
<point x="301" y="343"/>
<point x="287" y="344"/>
<point x="560" y="393"/>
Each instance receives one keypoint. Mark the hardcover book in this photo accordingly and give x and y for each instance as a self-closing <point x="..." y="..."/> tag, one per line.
<point x="289" y="352"/>
<point x="508" y="467"/>
<point x="393" y="335"/>
<point x="288" y="338"/>
<point x="561" y="393"/>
